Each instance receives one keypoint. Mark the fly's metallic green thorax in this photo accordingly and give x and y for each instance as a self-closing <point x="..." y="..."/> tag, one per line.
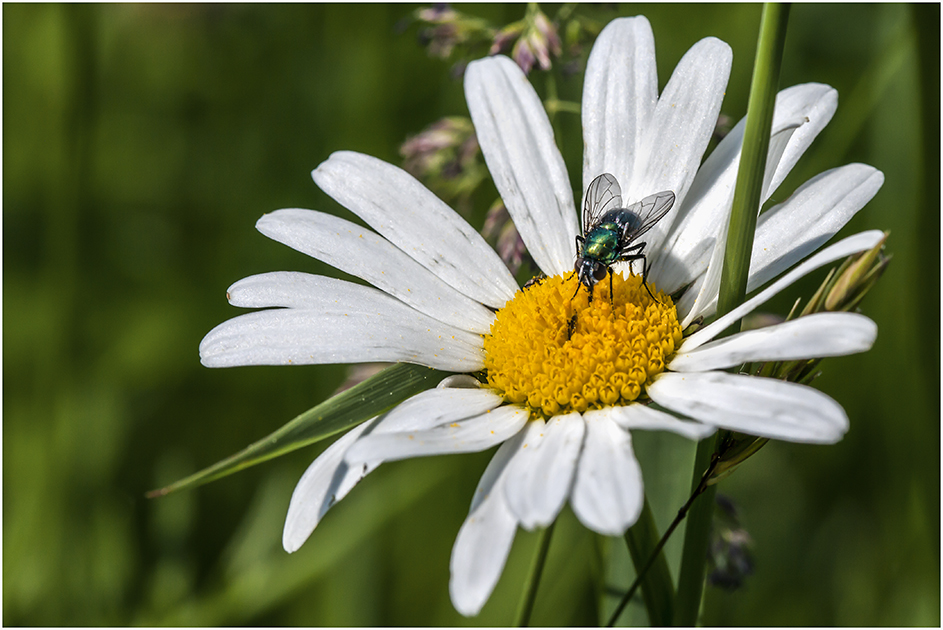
<point x="602" y="243"/>
<point x="610" y="231"/>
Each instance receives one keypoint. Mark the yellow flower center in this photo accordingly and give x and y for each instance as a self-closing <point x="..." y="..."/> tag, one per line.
<point x="539" y="355"/>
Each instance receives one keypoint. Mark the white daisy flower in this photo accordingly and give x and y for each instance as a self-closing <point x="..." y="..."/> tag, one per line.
<point x="561" y="403"/>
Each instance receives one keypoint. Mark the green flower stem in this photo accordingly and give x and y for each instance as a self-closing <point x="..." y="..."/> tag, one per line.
<point x="549" y="105"/>
<point x="746" y="204"/>
<point x="529" y="595"/>
<point x="658" y="589"/>
<point x="554" y="105"/>
<point x="748" y="191"/>
<point x="551" y="87"/>
<point x="656" y="553"/>
<point x="696" y="539"/>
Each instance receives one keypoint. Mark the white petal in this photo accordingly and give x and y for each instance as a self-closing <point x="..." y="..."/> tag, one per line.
<point x="330" y="478"/>
<point x="687" y="249"/>
<point x="484" y="541"/>
<point x="789" y="232"/>
<point x="469" y="435"/>
<point x="643" y="417"/>
<point x="435" y="407"/>
<point x="459" y="381"/>
<point x="291" y="289"/>
<point x="517" y="142"/>
<point x="326" y="481"/>
<point x="619" y="95"/>
<point x="494" y="474"/>
<point x="764" y="407"/>
<point x="845" y="247"/>
<point x="701" y="298"/>
<point x="696" y="247"/>
<point x="607" y="492"/>
<point x="801" y="112"/>
<point x="404" y="211"/>
<point x="794" y="229"/>
<point x="777" y="147"/>
<point x="812" y="336"/>
<point x="540" y="476"/>
<point x="362" y="253"/>
<point x="354" y="324"/>
<point x="705" y="300"/>
<point x="816" y="104"/>
<point x="680" y="129"/>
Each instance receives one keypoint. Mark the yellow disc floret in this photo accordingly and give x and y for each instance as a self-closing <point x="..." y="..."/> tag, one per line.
<point x="556" y="354"/>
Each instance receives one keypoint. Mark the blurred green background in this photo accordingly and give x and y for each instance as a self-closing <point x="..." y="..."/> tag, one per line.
<point x="140" y="145"/>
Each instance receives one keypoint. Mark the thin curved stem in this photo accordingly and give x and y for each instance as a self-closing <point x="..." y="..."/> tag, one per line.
<point x="696" y="540"/>
<point x="658" y="589"/>
<point x="656" y="552"/>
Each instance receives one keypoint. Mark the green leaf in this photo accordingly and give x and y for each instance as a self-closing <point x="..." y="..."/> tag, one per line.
<point x="349" y="408"/>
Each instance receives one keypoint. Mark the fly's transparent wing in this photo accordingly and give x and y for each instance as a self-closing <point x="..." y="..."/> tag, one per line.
<point x="604" y="194"/>
<point x="648" y="211"/>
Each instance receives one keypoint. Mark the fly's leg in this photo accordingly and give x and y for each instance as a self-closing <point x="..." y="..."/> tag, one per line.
<point x="579" y="242"/>
<point x="645" y="278"/>
<point x="644" y="272"/>
<point x="633" y="253"/>
<point x="571" y="323"/>
<point x="575" y="293"/>
<point x="610" y="287"/>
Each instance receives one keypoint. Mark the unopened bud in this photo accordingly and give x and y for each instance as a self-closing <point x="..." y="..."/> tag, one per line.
<point x="440" y="39"/>
<point x="535" y="40"/>
<point x="451" y="139"/>
<point x="505" y="37"/>
<point x="523" y="55"/>
<point x="545" y="40"/>
<point x="445" y="156"/>
<point x="447" y="29"/>
<point x="858" y="278"/>
<point x="439" y="13"/>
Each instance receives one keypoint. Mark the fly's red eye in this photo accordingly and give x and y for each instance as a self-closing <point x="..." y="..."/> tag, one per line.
<point x="599" y="272"/>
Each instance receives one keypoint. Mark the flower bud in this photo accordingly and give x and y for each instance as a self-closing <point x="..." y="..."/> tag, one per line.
<point x="535" y="40"/>
<point x="858" y="278"/>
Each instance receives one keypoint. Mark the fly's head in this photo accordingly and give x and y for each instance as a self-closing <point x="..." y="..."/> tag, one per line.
<point x="589" y="272"/>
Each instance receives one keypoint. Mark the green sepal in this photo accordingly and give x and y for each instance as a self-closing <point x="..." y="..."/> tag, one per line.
<point x="860" y="268"/>
<point x="347" y="409"/>
<point x="739" y="448"/>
